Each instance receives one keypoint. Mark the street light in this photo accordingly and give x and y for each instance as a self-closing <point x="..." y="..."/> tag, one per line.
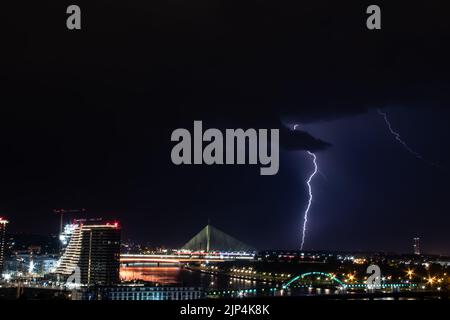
<point x="410" y="273"/>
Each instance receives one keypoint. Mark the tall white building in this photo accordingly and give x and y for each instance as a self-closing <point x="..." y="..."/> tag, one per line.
<point x="3" y="223"/>
<point x="416" y="246"/>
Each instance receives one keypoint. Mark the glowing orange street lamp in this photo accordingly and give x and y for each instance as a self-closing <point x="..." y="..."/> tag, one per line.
<point x="351" y="277"/>
<point x="410" y="273"/>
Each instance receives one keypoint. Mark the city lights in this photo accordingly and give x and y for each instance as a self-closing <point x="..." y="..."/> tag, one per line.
<point x="249" y="274"/>
<point x="410" y="273"/>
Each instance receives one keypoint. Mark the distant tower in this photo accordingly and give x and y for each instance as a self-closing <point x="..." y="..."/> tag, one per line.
<point x="416" y="246"/>
<point x="3" y="223"/>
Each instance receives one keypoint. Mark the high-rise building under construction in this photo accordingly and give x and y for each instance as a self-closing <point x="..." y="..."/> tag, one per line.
<point x="94" y="251"/>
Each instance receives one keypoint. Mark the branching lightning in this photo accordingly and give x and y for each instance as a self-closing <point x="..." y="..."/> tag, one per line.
<point x="308" y="182"/>
<point x="403" y="143"/>
<point x="397" y="136"/>
<point x="310" y="199"/>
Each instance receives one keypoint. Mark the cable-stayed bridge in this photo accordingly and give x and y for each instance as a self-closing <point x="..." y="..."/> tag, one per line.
<point x="209" y="245"/>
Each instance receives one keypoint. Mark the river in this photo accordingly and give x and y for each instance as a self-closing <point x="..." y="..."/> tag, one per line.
<point x="177" y="276"/>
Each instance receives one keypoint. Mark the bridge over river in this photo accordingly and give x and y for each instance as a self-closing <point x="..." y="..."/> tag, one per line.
<point x="181" y="258"/>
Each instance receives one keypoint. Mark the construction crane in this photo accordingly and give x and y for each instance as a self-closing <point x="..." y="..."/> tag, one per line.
<point x="62" y="212"/>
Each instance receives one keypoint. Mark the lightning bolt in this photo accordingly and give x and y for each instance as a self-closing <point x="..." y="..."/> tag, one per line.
<point x="403" y="143"/>
<point x="308" y="182"/>
<point x="310" y="199"/>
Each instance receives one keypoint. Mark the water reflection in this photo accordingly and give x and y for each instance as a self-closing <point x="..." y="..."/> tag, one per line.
<point x="161" y="275"/>
<point x="184" y="277"/>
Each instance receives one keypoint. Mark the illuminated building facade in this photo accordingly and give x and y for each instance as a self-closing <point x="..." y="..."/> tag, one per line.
<point x="65" y="236"/>
<point x="95" y="250"/>
<point x="3" y="224"/>
<point x="39" y="265"/>
<point x="139" y="293"/>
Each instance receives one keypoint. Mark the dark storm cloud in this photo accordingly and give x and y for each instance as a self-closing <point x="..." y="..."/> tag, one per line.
<point x="300" y="140"/>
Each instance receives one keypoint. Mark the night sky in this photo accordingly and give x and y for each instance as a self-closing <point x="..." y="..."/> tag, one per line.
<point x="86" y="118"/>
